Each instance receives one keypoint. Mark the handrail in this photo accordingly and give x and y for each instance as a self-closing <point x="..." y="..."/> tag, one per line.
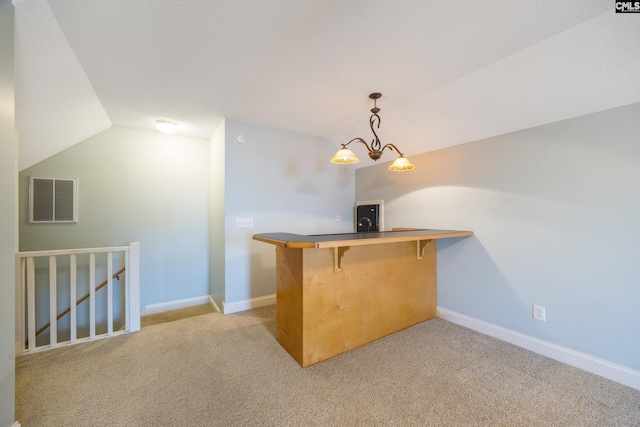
<point x="100" y="286"/>
<point x="72" y="251"/>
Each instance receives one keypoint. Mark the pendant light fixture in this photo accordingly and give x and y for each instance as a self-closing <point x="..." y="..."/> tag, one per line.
<point x="345" y="156"/>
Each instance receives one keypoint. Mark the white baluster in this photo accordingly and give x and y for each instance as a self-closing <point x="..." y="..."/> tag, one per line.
<point x="73" y="326"/>
<point x="31" y="303"/>
<point x="53" y="297"/>
<point x="109" y="293"/>
<point x="92" y="296"/>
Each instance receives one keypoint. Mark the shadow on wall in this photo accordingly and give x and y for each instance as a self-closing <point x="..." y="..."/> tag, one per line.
<point x="462" y="258"/>
<point x="254" y="274"/>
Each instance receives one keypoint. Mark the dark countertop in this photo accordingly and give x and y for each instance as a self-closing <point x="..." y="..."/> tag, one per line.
<point x="291" y="240"/>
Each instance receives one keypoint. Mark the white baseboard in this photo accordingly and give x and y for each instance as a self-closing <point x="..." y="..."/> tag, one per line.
<point x="213" y="304"/>
<point x="234" y="307"/>
<point x="16" y="424"/>
<point x="176" y="305"/>
<point x="611" y="371"/>
<point x="227" y="308"/>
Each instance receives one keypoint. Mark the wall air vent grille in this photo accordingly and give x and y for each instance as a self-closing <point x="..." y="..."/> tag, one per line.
<point x="53" y="200"/>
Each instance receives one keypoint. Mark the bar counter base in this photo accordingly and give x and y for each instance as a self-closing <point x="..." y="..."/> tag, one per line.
<point x="379" y="290"/>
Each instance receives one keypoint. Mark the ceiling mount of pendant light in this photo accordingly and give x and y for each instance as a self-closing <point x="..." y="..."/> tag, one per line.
<point x="345" y="156"/>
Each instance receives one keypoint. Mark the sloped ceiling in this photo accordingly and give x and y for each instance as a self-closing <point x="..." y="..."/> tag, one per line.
<point x="450" y="72"/>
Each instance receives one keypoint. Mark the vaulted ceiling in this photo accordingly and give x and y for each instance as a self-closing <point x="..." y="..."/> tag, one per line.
<point x="450" y="71"/>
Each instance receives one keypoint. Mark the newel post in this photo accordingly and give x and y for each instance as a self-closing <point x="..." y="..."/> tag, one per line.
<point x="134" y="287"/>
<point x="20" y="309"/>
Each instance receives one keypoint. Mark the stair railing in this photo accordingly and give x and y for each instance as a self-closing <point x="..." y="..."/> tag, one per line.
<point x="26" y="296"/>
<point x="115" y="275"/>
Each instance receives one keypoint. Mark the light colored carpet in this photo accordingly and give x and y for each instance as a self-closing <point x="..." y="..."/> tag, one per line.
<point x="170" y="316"/>
<point x="215" y="370"/>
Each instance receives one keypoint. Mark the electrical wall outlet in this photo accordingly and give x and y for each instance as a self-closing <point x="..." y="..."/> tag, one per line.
<point x="338" y="219"/>
<point x="539" y="313"/>
<point x="244" y="222"/>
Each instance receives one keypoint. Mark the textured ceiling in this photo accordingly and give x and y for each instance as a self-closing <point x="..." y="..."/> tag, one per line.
<point x="450" y="72"/>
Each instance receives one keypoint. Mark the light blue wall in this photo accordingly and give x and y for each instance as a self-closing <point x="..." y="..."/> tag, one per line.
<point x="555" y="210"/>
<point x="8" y="173"/>
<point x="285" y="182"/>
<point x="180" y="198"/>
<point x="135" y="186"/>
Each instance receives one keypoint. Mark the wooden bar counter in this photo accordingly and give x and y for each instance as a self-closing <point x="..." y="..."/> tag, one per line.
<point x="336" y="292"/>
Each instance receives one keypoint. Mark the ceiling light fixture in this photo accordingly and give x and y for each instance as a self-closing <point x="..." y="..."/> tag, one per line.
<point x="166" y="125"/>
<point x="345" y="156"/>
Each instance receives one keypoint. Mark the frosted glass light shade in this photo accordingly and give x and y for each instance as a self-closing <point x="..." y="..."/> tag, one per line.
<point x="166" y="125"/>
<point x="401" y="164"/>
<point x="344" y="156"/>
